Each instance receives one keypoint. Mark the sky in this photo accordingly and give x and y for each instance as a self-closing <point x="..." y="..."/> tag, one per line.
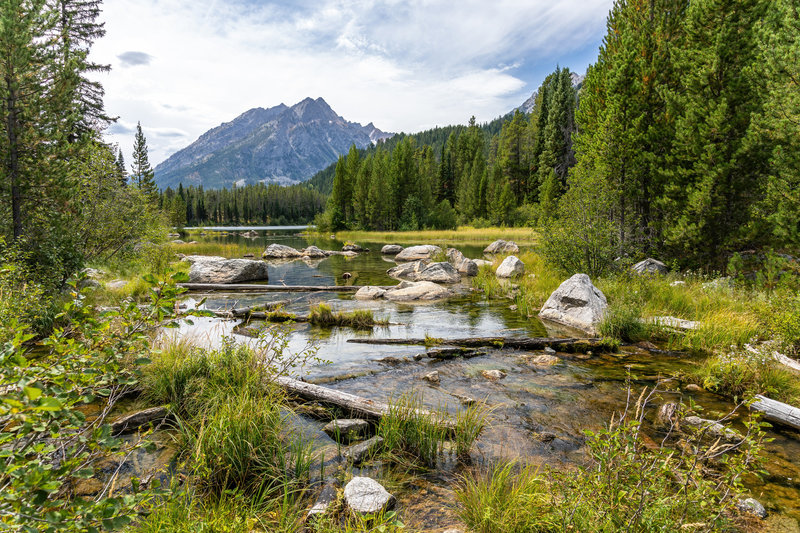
<point x="182" y="67"/>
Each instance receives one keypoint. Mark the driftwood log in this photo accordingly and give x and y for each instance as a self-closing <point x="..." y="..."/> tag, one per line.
<point x="132" y="422"/>
<point x="245" y="287"/>
<point x="353" y="406"/>
<point x="517" y="343"/>
<point x="777" y="412"/>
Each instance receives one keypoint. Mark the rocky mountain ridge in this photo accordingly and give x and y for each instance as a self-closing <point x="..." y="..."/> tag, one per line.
<point x="280" y="144"/>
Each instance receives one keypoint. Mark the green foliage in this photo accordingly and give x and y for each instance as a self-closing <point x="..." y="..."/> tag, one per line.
<point x="743" y="373"/>
<point x="48" y="441"/>
<point x="624" y="322"/>
<point x="629" y="486"/>
<point x="142" y="175"/>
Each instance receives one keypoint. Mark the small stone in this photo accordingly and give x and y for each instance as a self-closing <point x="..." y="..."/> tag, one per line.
<point x="345" y="430"/>
<point x="116" y="285"/>
<point x="752" y="506"/>
<point x="546" y="360"/>
<point x="364" y="450"/>
<point x="677" y="283"/>
<point x="549" y="350"/>
<point x="432" y="377"/>
<point x="692" y="387"/>
<point x="352" y="248"/>
<point x="366" y="496"/>
<point x="493" y="375"/>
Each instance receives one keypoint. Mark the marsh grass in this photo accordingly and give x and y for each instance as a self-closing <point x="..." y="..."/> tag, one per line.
<point x="323" y="315"/>
<point x="223" y="249"/>
<point x="741" y="374"/>
<point x="464" y="234"/>
<point x="411" y="434"/>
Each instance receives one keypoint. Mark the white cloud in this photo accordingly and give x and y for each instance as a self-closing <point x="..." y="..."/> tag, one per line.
<point x="403" y="65"/>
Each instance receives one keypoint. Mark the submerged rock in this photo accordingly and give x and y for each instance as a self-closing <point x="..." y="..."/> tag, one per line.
<point x="359" y="453"/>
<point x="545" y="360"/>
<point x="576" y="303"/>
<point x="366" y="496"/>
<point x="280" y="251"/>
<point x="432" y="377"/>
<point x="346" y="430"/>
<point x="391" y="249"/>
<point x="369" y="293"/>
<point x="502" y="247"/>
<point x="511" y="267"/>
<point x="326" y="498"/>
<point x="464" y="266"/>
<point x="415" y="253"/>
<point x="752" y="506"/>
<point x="493" y="375"/>
<point x="408" y="291"/>
<point x="228" y="271"/>
<point x="650" y="266"/>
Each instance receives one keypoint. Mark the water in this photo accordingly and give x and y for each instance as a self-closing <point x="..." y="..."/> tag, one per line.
<point x="559" y="402"/>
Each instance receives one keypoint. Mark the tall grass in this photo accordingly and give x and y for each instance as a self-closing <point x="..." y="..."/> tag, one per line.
<point x="323" y="315"/>
<point x="232" y="428"/>
<point x="464" y="234"/>
<point x="411" y="433"/>
<point x="229" y="250"/>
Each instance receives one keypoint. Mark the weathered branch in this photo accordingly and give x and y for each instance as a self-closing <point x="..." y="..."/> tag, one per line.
<point x="778" y="412"/>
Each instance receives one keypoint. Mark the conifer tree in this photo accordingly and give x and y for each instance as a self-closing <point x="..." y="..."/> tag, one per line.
<point x="142" y="174"/>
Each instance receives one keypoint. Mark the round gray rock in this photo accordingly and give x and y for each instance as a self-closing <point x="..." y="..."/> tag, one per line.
<point x="502" y="247"/>
<point x="280" y="251"/>
<point x="391" y="249"/>
<point x="366" y="496"/>
<point x="369" y="293"/>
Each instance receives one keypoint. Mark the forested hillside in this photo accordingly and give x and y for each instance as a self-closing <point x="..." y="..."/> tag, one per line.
<point x="684" y="145"/>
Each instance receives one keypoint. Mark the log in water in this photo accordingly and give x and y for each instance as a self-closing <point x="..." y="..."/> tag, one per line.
<point x="777" y="412"/>
<point x="252" y="287"/>
<point x="569" y="345"/>
<point x="353" y="405"/>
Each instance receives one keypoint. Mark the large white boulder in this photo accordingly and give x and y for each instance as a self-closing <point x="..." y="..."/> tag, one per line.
<point x="415" y="253"/>
<point x="366" y="496"/>
<point x="465" y="266"/>
<point x="502" y="247"/>
<point x="228" y="271"/>
<point x="511" y="267"/>
<point x="576" y="303"/>
<point x="280" y="251"/>
<point x="409" y="291"/>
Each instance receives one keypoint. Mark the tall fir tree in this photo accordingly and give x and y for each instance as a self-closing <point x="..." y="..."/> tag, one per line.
<point x="142" y="175"/>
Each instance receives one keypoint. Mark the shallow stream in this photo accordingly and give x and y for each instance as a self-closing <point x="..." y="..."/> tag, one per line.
<point x="538" y="413"/>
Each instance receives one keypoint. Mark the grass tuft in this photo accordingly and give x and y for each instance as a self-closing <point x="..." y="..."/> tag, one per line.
<point x="323" y="315"/>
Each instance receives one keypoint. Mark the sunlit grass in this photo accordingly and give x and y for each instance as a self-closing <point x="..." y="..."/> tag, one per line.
<point x="227" y="250"/>
<point x="323" y="315"/>
<point x="464" y="234"/>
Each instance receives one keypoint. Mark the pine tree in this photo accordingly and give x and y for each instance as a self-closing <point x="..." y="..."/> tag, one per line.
<point x="142" y="175"/>
<point x="721" y="162"/>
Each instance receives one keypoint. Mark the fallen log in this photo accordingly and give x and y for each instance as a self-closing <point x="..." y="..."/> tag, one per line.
<point x="132" y="422"/>
<point x="777" y="412"/>
<point x="353" y="406"/>
<point x="246" y="287"/>
<point x="569" y="345"/>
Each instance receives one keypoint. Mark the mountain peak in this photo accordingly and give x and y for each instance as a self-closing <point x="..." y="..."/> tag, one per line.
<point x="280" y="144"/>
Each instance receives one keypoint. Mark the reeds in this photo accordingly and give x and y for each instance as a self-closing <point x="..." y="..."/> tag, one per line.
<point x="464" y="234"/>
<point x="323" y="315"/>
